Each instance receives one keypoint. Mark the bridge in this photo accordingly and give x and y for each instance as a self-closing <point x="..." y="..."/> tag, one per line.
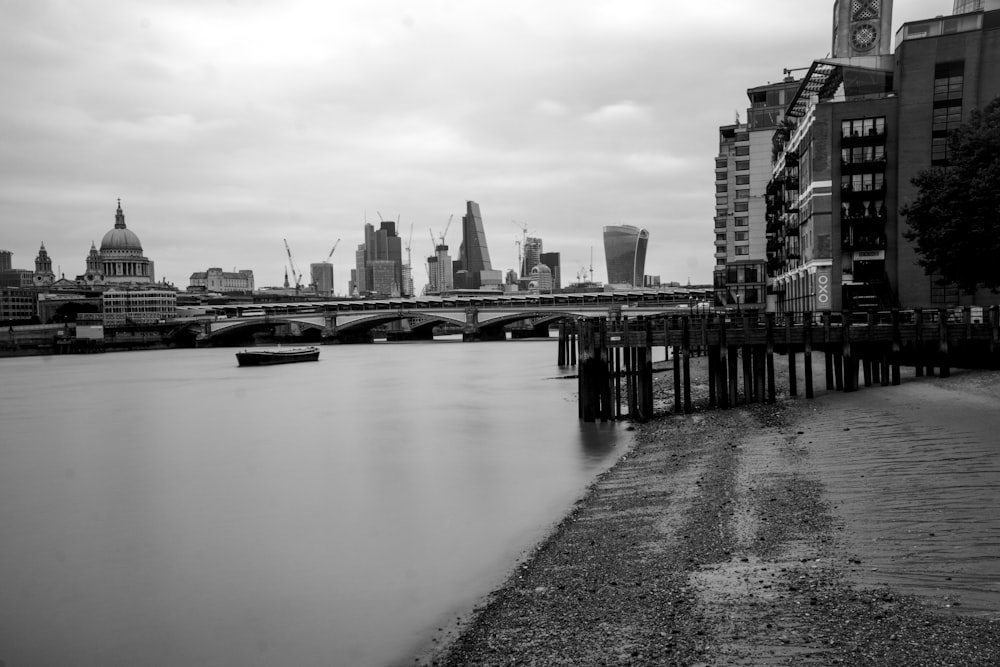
<point x="477" y="318"/>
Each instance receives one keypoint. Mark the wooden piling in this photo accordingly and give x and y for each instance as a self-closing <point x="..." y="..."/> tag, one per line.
<point x="943" y="343"/>
<point x="793" y="389"/>
<point x="828" y="351"/>
<point x="771" y="395"/>
<point x="919" y="345"/>
<point x="807" y="359"/>
<point x="723" y="364"/>
<point x="686" y="362"/>
<point x="897" y="346"/>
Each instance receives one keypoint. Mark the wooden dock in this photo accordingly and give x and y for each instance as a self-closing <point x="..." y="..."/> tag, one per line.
<point x="614" y="356"/>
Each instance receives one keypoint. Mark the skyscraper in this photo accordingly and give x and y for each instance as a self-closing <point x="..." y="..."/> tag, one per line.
<point x="379" y="261"/>
<point x="532" y="254"/>
<point x="473" y="269"/>
<point x="321" y="278"/>
<point x="625" y="253"/>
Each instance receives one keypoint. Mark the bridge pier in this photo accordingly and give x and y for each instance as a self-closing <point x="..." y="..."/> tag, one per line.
<point x="484" y="334"/>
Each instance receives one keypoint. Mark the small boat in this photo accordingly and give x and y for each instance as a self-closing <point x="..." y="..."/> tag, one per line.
<point x="288" y="355"/>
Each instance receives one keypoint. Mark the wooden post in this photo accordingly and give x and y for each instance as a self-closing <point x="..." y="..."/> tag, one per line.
<point x="686" y="361"/>
<point x="867" y="354"/>
<point x="562" y="345"/>
<point x="748" y="373"/>
<point x="994" y="334"/>
<point x="919" y="344"/>
<point x="603" y="374"/>
<point x="616" y="363"/>
<point x="793" y="387"/>
<point x="896" y="346"/>
<point x="827" y="351"/>
<point x="723" y="363"/>
<point x="807" y="352"/>
<point x="585" y="379"/>
<point x="943" y="342"/>
<point x="850" y="369"/>
<point x="713" y="371"/>
<point x="769" y="359"/>
<point x="678" y="404"/>
<point x="647" y="373"/>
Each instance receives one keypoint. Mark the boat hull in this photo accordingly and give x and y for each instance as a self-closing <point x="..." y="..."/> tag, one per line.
<point x="273" y="357"/>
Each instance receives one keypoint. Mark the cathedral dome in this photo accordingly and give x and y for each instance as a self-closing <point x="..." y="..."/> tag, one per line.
<point x="121" y="239"/>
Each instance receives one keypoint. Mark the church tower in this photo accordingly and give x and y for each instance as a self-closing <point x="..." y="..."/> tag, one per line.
<point x="43" y="269"/>
<point x="862" y="28"/>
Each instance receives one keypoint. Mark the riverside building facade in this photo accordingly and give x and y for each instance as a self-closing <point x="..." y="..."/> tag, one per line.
<point x="742" y="170"/>
<point x="866" y="121"/>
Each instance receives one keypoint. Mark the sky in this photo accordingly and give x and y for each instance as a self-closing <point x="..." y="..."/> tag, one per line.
<point x="229" y="126"/>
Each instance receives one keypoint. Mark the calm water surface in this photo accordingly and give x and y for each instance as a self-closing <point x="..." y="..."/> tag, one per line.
<point x="168" y="507"/>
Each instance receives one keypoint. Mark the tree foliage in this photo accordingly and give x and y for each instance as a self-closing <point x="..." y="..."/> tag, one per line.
<point x="954" y="221"/>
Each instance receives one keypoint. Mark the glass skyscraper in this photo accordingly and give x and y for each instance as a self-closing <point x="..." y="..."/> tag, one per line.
<point x="625" y="253"/>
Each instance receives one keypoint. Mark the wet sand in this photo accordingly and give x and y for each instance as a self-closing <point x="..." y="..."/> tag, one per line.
<point x="853" y="529"/>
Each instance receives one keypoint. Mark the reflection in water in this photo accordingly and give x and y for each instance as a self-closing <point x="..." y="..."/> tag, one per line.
<point x="166" y="508"/>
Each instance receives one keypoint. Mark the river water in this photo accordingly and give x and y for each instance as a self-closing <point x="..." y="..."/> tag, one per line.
<point x="168" y="507"/>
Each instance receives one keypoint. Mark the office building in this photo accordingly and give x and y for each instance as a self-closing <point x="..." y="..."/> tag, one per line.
<point x="551" y="260"/>
<point x="866" y="122"/>
<point x="742" y="170"/>
<point x="222" y="282"/>
<point x="321" y="278"/>
<point x="127" y="307"/>
<point x="379" y="262"/>
<point x="625" y="253"/>
<point x="532" y="253"/>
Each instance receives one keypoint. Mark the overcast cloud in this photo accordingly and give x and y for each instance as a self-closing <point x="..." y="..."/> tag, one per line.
<point x="227" y="125"/>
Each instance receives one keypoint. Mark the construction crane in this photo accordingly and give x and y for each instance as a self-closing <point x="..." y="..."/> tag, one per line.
<point x="335" y="244"/>
<point x="445" y="232"/>
<point x="295" y="273"/>
<point x="520" y="244"/>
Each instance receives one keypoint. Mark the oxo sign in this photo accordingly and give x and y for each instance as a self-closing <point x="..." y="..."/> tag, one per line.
<point x="823" y="289"/>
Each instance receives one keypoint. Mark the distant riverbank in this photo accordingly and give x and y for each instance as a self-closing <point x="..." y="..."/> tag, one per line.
<point x="852" y="529"/>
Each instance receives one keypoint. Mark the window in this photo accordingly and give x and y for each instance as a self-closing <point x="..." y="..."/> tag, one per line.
<point x="721" y="200"/>
<point x="742" y="236"/>
<point x="742" y="250"/>
<point x="720" y="237"/>
<point x="741" y="206"/>
<point x="721" y="187"/>
<point x="721" y="175"/>
<point x="742" y="221"/>
<point x="743" y="165"/>
<point x="743" y="179"/>
<point x="721" y="163"/>
<point x="750" y="274"/>
<point x="743" y="150"/>
<point x="863" y="127"/>
<point x="720" y="262"/>
<point x="949" y="80"/>
<point x="742" y="194"/>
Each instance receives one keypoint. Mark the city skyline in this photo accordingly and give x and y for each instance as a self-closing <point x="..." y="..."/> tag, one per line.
<point x="360" y="108"/>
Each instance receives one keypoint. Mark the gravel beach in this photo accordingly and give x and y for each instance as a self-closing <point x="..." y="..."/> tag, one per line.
<point x="799" y="533"/>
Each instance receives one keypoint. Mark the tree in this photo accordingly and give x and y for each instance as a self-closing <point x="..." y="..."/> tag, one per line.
<point x="955" y="220"/>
